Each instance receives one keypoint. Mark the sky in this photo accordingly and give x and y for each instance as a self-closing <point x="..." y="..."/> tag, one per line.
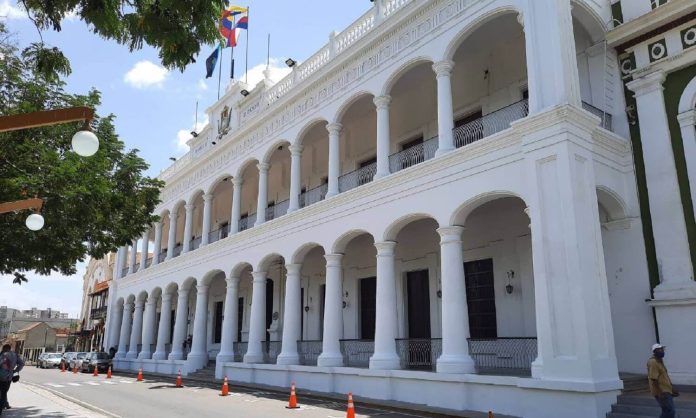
<point x="155" y="108"/>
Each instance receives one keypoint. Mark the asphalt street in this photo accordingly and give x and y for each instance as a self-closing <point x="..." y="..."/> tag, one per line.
<point x="123" y="396"/>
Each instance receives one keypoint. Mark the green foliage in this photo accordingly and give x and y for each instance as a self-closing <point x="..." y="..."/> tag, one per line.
<point x="92" y="205"/>
<point x="177" y="28"/>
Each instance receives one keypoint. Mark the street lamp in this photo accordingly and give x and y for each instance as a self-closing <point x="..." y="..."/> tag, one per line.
<point x="85" y="143"/>
<point x="35" y="222"/>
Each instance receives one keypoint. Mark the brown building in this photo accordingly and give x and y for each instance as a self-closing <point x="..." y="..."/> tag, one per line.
<point x="37" y="338"/>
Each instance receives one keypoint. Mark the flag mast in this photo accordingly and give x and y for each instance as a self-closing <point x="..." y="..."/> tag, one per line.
<point x="246" y="57"/>
<point x="220" y="70"/>
<point x="232" y="53"/>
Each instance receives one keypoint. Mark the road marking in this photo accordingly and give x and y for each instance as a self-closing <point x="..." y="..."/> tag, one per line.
<point x="74" y="384"/>
<point x="125" y="381"/>
<point x="92" y="383"/>
<point x="55" y="385"/>
<point x="108" y="382"/>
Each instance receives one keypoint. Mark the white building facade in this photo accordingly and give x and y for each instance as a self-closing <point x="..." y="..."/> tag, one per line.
<point x="440" y="207"/>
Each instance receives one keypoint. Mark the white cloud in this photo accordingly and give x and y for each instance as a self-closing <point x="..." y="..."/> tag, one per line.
<point x="11" y="11"/>
<point x="255" y="74"/>
<point x="146" y="74"/>
<point x="202" y="85"/>
<point x="185" y="134"/>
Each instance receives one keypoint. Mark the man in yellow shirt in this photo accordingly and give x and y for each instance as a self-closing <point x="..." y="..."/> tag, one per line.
<point x="660" y="383"/>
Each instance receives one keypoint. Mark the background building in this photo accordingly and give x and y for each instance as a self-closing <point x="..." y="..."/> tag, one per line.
<point x="95" y="297"/>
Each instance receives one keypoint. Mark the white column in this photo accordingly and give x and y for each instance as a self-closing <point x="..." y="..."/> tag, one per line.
<point x="385" y="356"/>
<point x="171" y="242"/>
<point x="113" y="327"/>
<point x="180" y="324"/>
<point x="552" y="69"/>
<point x="687" y="122"/>
<point x="295" y="176"/>
<point x="383" y="136"/>
<point x="292" y="320"/>
<point x="149" y="319"/>
<point x="144" y="249"/>
<point x="158" y="243"/>
<point x="132" y="256"/>
<point x="257" y="326"/>
<point x="207" y="215"/>
<point x="229" y="322"/>
<point x="188" y="228"/>
<point x="262" y="198"/>
<point x="136" y="330"/>
<point x="334" y="158"/>
<point x="236" y="205"/>
<point x="333" y="313"/>
<point x="117" y="263"/>
<point x="445" y="113"/>
<point x="164" y="331"/>
<point x="199" y="352"/>
<point x="455" y="356"/>
<point x="124" y="334"/>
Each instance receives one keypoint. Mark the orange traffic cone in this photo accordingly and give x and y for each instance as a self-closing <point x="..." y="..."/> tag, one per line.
<point x="140" y="375"/>
<point x="74" y="370"/>
<point x="96" y="371"/>
<point x="225" y="388"/>
<point x="292" y="404"/>
<point x="62" y="367"/>
<point x="350" y="413"/>
<point x="108" y="373"/>
<point x="178" y="381"/>
<point x="490" y="414"/>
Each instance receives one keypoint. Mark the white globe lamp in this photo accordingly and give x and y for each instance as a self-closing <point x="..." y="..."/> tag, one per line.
<point x="35" y="221"/>
<point x="85" y="143"/>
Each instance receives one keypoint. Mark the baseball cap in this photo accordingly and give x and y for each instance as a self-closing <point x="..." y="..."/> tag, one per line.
<point x="656" y="346"/>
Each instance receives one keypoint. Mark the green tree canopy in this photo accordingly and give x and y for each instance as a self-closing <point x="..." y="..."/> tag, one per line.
<point x="176" y="28"/>
<point x="92" y="205"/>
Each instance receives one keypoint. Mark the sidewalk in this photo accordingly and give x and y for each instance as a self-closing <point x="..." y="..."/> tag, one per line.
<point x="31" y="401"/>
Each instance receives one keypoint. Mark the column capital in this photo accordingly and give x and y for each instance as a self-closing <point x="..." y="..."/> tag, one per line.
<point x="333" y="260"/>
<point x="189" y="207"/>
<point x="259" y="276"/>
<point x="334" y="128"/>
<point x="202" y="288"/>
<point x="443" y="68"/>
<point x="146" y="233"/>
<point x="128" y="306"/>
<point x="139" y="304"/>
<point x="183" y="291"/>
<point x="237" y="181"/>
<point x="263" y="167"/>
<point x="450" y="233"/>
<point x="232" y="280"/>
<point x="293" y="268"/>
<point x="296" y="149"/>
<point x="382" y="102"/>
<point x="520" y="19"/>
<point x="647" y="83"/>
<point x="385" y="248"/>
<point x="158" y="225"/>
<point x="151" y="301"/>
<point x="208" y="197"/>
<point x="166" y="297"/>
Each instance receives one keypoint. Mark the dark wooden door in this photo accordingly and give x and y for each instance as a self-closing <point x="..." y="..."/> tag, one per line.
<point x="269" y="307"/>
<point x="240" y="318"/>
<point x="418" y="293"/>
<point x="480" y="297"/>
<point x="368" y="307"/>
<point x="322" y="301"/>
<point x="302" y="313"/>
<point x="217" y="334"/>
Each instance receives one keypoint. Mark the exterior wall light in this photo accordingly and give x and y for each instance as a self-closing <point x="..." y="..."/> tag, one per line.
<point x="510" y="275"/>
<point x="290" y="62"/>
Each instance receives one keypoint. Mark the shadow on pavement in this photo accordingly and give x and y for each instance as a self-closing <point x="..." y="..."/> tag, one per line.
<point x="29" y="412"/>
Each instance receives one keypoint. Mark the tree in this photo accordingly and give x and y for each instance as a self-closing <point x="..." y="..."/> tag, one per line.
<point x="176" y="28"/>
<point x="91" y="205"/>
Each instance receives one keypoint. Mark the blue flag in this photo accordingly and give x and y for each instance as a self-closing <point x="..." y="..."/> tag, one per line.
<point x="210" y="63"/>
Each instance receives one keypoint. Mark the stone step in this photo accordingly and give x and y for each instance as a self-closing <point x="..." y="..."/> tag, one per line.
<point x="650" y="411"/>
<point x="622" y="415"/>
<point x="680" y="404"/>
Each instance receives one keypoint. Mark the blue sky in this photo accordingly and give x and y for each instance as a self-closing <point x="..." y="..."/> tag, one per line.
<point x="155" y="108"/>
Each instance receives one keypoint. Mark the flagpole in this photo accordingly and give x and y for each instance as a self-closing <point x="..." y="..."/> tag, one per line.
<point x="246" y="57"/>
<point x="220" y="71"/>
<point x="234" y="23"/>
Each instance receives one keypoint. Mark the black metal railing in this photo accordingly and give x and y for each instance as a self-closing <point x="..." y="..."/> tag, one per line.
<point x="124" y="272"/>
<point x="309" y="352"/>
<point x="490" y="124"/>
<point x="357" y="353"/>
<point x="314" y="195"/>
<point x="270" y="349"/>
<point x="419" y="353"/>
<point x="277" y="210"/>
<point x="247" y="222"/>
<point x="413" y="155"/>
<point x="148" y="262"/>
<point x="218" y="234"/>
<point x="98" y="313"/>
<point x="195" y="243"/>
<point x="357" y="177"/>
<point x="503" y="356"/>
<point x="239" y="349"/>
<point x="177" y="250"/>
<point x="606" y="119"/>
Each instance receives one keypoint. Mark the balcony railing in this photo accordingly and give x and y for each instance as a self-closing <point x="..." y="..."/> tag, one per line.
<point x="357" y="178"/>
<point x="98" y="313"/>
<point x="148" y="262"/>
<point x="309" y="352"/>
<point x="314" y="195"/>
<point x="239" y="349"/>
<point x="490" y="124"/>
<point x="357" y="353"/>
<point x="247" y="222"/>
<point x="218" y="234"/>
<point x="195" y="243"/>
<point x="503" y="356"/>
<point x="270" y="349"/>
<point x="277" y="210"/>
<point x="413" y="155"/>
<point x="419" y="353"/>
<point x="124" y="272"/>
<point x="177" y="250"/>
<point x="606" y="120"/>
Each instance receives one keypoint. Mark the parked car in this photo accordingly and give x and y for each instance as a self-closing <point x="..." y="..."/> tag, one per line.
<point x="76" y="361"/>
<point x="99" y="360"/>
<point x="50" y="361"/>
<point x="40" y="359"/>
<point x="67" y="358"/>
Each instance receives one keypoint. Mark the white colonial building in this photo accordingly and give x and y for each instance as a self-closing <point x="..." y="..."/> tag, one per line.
<point x="440" y="207"/>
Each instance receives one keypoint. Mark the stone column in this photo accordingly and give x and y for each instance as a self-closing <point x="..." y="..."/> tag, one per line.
<point x="188" y="228"/>
<point x="295" y="176"/>
<point x="136" y="330"/>
<point x="126" y="323"/>
<point x="334" y="158"/>
<point x="171" y="242"/>
<point x="180" y="324"/>
<point x="292" y="320"/>
<point x="236" y="205"/>
<point x="229" y="322"/>
<point x="552" y="68"/>
<point x="164" y="331"/>
<point x="333" y="313"/>
<point x="385" y="356"/>
<point x="257" y="326"/>
<point x="455" y="356"/>
<point x="132" y="256"/>
<point x="445" y="113"/>
<point x="207" y="215"/>
<point x="113" y="327"/>
<point x="149" y="320"/>
<point x="687" y="123"/>
<point x="198" y="356"/>
<point x="262" y="198"/>
<point x="383" y="136"/>
<point x="158" y="243"/>
<point x="118" y="263"/>
<point x="144" y="249"/>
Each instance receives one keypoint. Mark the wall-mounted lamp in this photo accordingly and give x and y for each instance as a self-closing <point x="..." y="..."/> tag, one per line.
<point x="439" y="293"/>
<point x="244" y="92"/>
<point x="194" y="134"/>
<point x="290" y="62"/>
<point x="172" y="158"/>
<point x="306" y="308"/>
<point x="510" y="275"/>
<point x="213" y="142"/>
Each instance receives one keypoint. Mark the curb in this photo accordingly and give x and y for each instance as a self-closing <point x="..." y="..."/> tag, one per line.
<point x="73" y="400"/>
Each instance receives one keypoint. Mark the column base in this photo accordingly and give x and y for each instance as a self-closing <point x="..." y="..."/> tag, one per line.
<point x="442" y="151"/>
<point x="330" y="194"/>
<point x="685" y="289"/>
<point x="253" y="358"/>
<point x="455" y="364"/>
<point x="330" y="360"/>
<point x="144" y="355"/>
<point x="176" y="355"/>
<point x="379" y="175"/>
<point x="159" y="355"/>
<point x="120" y="354"/>
<point x="197" y="360"/>
<point x="257" y="223"/>
<point x="385" y="362"/>
<point x="288" y="359"/>
<point x="224" y="358"/>
<point x="131" y="355"/>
